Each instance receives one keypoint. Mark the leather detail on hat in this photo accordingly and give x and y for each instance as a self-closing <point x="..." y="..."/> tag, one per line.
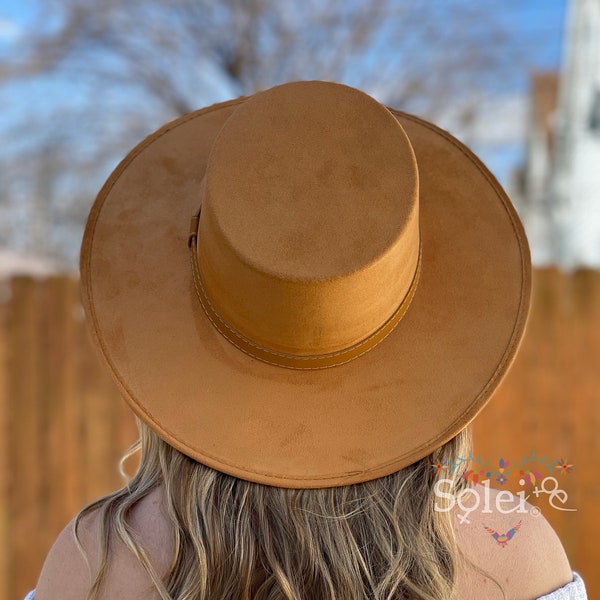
<point x="293" y="361"/>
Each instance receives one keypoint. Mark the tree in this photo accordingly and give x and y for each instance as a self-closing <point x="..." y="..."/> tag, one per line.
<point x="101" y="75"/>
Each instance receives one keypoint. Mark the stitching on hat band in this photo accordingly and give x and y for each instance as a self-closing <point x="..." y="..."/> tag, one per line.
<point x="292" y="361"/>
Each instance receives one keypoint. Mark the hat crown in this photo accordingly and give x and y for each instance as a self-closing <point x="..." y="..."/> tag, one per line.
<point x="308" y="239"/>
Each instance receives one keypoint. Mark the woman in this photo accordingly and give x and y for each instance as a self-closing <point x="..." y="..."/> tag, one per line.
<point x="305" y="298"/>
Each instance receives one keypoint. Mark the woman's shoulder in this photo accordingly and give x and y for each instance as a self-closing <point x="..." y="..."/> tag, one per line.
<point x="72" y="563"/>
<point x="509" y="541"/>
<point x="66" y="573"/>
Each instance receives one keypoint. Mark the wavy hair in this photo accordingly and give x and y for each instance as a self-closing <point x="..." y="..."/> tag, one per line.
<point x="237" y="540"/>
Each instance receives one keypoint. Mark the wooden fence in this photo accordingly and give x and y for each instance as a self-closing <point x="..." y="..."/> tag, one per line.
<point x="63" y="427"/>
<point x="550" y="404"/>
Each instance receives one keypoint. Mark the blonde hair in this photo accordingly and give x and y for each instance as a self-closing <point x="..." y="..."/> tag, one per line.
<point x="237" y="540"/>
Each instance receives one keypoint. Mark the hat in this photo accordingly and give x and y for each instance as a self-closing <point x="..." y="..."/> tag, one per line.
<point x="304" y="288"/>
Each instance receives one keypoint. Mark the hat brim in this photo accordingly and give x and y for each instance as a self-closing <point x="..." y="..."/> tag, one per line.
<point x="303" y="429"/>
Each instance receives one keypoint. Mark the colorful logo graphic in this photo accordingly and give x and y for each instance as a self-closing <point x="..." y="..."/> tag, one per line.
<point x="503" y="538"/>
<point x="529" y="469"/>
<point x="528" y="472"/>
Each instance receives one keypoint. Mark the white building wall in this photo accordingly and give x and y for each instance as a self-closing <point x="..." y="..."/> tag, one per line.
<point x="535" y="210"/>
<point x="575" y="188"/>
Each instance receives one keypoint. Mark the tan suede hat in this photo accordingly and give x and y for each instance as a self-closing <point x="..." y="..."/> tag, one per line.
<point x="352" y="291"/>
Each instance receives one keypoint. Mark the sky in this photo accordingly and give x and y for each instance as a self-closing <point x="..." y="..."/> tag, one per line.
<point x="500" y="145"/>
<point x="529" y="18"/>
<point x="529" y="21"/>
<point x="536" y="25"/>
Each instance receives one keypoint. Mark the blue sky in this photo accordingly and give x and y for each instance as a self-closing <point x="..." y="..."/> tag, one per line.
<point x="536" y="25"/>
<point x="543" y="19"/>
<point x="536" y="29"/>
<point x="529" y="18"/>
<point x="16" y="11"/>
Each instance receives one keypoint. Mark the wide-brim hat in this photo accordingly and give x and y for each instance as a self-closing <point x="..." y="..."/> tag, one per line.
<point x="304" y="288"/>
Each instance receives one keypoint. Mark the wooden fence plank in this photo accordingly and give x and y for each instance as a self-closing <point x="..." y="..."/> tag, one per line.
<point x="64" y="465"/>
<point x="5" y="554"/>
<point x="63" y="426"/>
<point x="25" y="434"/>
<point x="550" y="404"/>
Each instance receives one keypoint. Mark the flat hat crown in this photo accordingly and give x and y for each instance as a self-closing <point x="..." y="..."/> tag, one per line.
<point x="308" y="238"/>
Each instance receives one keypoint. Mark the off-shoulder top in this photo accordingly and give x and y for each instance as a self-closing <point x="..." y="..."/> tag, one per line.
<point x="572" y="591"/>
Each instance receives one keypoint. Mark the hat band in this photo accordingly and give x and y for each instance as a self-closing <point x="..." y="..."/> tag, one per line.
<point x="292" y="361"/>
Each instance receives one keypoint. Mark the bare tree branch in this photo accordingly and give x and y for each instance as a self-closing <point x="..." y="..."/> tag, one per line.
<point x="122" y="68"/>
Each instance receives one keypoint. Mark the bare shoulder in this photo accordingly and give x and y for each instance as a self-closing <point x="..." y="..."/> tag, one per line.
<point x="513" y="543"/>
<point x="66" y="573"/>
<point x="70" y="567"/>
